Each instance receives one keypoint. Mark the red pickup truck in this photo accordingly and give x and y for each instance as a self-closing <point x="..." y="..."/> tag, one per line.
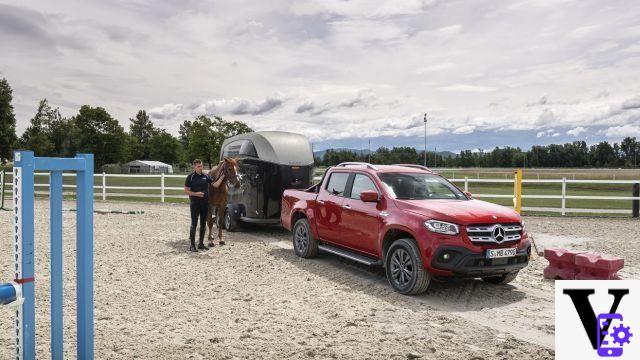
<point x="408" y="219"/>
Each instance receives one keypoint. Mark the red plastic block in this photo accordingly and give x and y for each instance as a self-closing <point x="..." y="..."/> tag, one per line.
<point x="561" y="263"/>
<point x="598" y="267"/>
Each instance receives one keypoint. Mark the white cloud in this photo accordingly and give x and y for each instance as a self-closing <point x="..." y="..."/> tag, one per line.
<point x="619" y="132"/>
<point x="332" y="69"/>
<point x="576" y="131"/>
<point x="467" y="88"/>
<point x="464" y="130"/>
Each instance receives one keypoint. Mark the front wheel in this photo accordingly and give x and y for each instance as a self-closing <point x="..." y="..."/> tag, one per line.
<point x="404" y="268"/>
<point x="502" y="279"/>
<point x="304" y="244"/>
<point x="230" y="224"/>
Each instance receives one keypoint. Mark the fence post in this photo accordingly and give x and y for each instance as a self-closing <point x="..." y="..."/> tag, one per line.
<point x="466" y="183"/>
<point x="162" y="187"/>
<point x="564" y="195"/>
<point x="636" y="202"/>
<point x="104" y="186"/>
<point x="2" y="189"/>
<point x="517" y="190"/>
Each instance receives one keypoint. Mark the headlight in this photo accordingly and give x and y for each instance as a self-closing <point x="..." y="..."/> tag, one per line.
<point x="441" y="227"/>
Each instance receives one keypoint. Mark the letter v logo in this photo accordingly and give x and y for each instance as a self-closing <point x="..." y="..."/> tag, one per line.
<point x="580" y="299"/>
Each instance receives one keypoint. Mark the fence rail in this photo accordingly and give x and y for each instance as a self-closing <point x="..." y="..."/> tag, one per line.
<point x="164" y="192"/>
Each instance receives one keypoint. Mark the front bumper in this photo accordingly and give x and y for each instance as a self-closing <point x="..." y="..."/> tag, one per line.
<point x="465" y="263"/>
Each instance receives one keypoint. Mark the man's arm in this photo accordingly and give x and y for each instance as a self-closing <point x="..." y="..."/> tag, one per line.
<point x="187" y="188"/>
<point x="218" y="182"/>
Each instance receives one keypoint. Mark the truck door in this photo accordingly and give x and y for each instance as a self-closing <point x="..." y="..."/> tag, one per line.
<point x="361" y="221"/>
<point x="329" y="207"/>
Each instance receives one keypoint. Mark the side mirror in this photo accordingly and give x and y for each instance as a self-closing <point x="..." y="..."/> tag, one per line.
<point x="468" y="194"/>
<point x="369" y="196"/>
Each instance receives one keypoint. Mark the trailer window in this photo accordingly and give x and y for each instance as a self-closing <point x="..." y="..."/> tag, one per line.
<point x="240" y="148"/>
<point x="337" y="183"/>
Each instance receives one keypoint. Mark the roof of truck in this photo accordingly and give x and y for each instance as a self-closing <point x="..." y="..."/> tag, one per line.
<point x="404" y="168"/>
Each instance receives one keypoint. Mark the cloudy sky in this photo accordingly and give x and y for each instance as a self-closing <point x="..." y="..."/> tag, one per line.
<point x="489" y="73"/>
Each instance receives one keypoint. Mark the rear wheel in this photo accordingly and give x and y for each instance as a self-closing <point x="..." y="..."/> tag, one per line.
<point x="230" y="224"/>
<point x="404" y="268"/>
<point x="304" y="244"/>
<point x="502" y="279"/>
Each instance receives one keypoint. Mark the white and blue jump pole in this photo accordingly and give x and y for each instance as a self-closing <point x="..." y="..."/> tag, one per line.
<point x="20" y="293"/>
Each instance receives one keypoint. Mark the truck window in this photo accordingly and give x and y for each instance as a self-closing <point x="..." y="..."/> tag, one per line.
<point x="337" y="183"/>
<point x="361" y="183"/>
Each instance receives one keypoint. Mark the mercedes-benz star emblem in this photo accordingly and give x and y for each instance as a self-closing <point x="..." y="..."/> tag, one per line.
<point x="498" y="233"/>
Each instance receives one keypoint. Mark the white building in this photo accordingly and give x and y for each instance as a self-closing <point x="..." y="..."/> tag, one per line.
<point x="147" y="166"/>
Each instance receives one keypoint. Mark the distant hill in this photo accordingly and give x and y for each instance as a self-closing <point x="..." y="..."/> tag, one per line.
<point x="320" y="153"/>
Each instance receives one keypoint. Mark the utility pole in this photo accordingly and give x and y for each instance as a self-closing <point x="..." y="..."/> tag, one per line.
<point x="369" y="154"/>
<point x="425" y="139"/>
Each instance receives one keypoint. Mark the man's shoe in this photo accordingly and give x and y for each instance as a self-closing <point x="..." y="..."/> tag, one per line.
<point x="201" y="246"/>
<point x="193" y="248"/>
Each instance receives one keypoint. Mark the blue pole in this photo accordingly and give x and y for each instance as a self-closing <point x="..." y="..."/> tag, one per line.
<point x="55" y="206"/>
<point x="23" y="237"/>
<point x="8" y="294"/>
<point x="84" y="258"/>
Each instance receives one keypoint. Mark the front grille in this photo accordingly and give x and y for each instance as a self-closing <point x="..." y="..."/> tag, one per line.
<point x="492" y="234"/>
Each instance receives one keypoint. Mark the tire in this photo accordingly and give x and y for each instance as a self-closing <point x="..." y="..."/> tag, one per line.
<point x="230" y="224"/>
<point x="502" y="279"/>
<point x="404" y="269"/>
<point x="304" y="244"/>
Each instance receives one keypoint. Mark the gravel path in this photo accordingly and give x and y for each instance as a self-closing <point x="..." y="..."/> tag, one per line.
<point x="253" y="298"/>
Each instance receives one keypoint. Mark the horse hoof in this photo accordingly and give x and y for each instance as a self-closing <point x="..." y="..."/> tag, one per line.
<point x="222" y="242"/>
<point x="211" y="244"/>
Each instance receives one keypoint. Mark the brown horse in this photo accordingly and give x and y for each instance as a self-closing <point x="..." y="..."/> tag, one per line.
<point x="218" y="196"/>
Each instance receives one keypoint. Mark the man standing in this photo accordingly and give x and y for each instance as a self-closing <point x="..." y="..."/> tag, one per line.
<point x="197" y="187"/>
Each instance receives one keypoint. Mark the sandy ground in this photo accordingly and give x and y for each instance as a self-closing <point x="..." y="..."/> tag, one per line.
<point x="253" y="298"/>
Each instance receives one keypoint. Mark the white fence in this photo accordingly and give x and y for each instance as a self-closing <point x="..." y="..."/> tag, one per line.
<point x="563" y="197"/>
<point x="100" y="186"/>
<point x="102" y="191"/>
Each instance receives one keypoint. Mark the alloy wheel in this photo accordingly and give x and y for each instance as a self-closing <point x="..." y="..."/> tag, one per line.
<point x="402" y="268"/>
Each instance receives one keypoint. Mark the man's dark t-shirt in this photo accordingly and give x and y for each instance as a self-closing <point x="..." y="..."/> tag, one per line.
<point x="198" y="183"/>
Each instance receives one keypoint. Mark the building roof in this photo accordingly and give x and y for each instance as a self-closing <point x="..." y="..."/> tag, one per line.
<point x="278" y="147"/>
<point x="148" y="163"/>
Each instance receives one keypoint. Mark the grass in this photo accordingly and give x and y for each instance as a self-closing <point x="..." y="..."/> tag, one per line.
<point x="474" y="188"/>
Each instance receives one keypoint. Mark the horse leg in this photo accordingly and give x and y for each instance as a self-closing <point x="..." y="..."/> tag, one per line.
<point x="220" y="222"/>
<point x="210" y="224"/>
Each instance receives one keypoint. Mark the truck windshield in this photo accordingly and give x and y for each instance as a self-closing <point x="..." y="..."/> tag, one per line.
<point x="420" y="186"/>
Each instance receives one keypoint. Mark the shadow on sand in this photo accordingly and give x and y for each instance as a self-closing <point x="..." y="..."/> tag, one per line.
<point x="454" y="295"/>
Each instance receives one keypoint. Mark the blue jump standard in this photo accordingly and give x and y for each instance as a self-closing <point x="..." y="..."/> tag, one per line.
<point x="21" y="292"/>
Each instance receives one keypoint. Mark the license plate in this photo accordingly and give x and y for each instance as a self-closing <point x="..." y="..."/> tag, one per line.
<point x="500" y="253"/>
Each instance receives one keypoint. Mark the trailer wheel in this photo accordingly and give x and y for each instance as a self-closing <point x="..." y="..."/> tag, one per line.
<point x="404" y="268"/>
<point x="230" y="224"/>
<point x="304" y="244"/>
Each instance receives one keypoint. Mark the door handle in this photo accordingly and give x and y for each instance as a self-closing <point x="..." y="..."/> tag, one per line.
<point x="346" y="206"/>
<point x="320" y="201"/>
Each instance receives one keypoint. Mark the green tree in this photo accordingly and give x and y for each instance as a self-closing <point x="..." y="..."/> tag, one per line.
<point x="164" y="147"/>
<point x="141" y="130"/>
<point x="100" y="134"/>
<point x="37" y="137"/>
<point x="7" y="122"/>
<point x="204" y="136"/>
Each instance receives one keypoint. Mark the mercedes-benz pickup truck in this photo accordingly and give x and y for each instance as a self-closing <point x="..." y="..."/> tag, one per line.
<point x="409" y="220"/>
